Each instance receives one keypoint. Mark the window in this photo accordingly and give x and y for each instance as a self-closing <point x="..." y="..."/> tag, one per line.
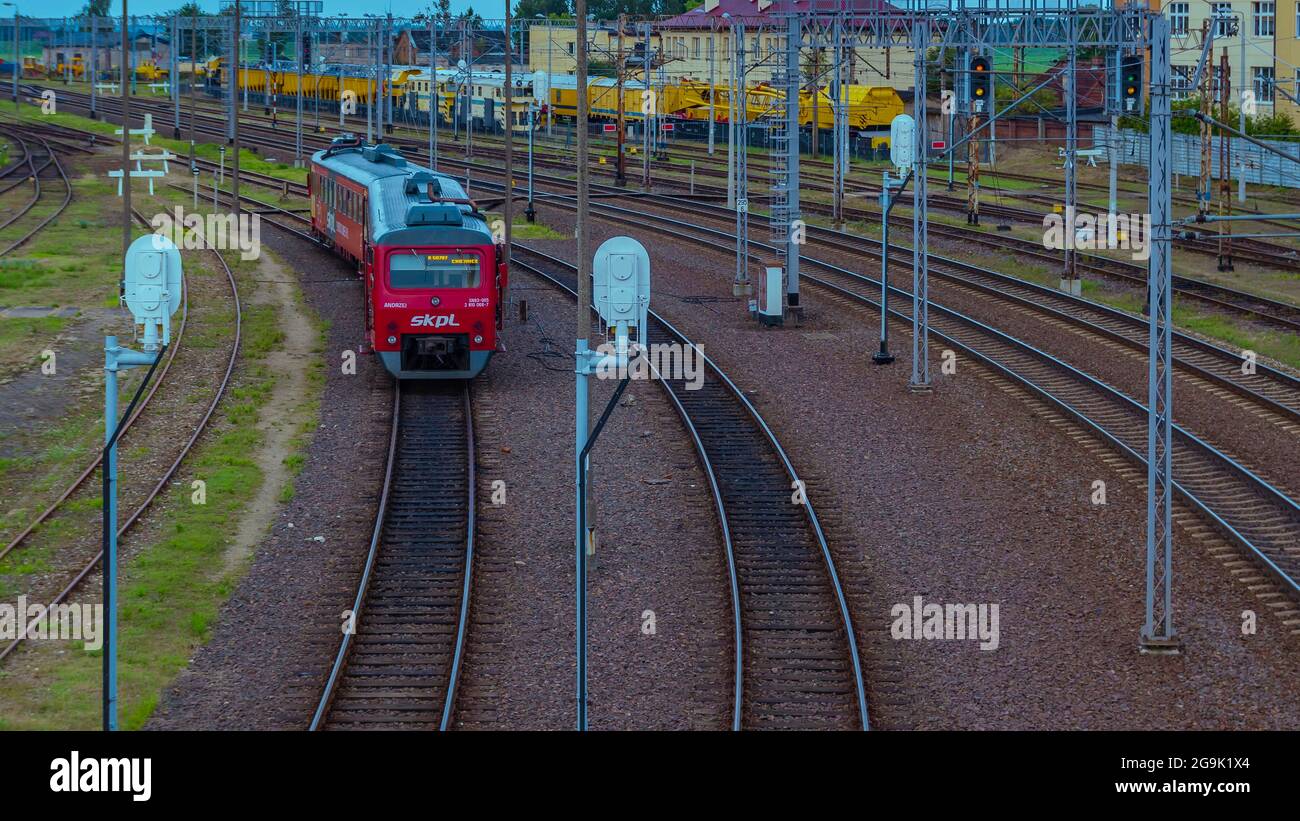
<point x="695" y="47"/>
<point x="1263" y="81"/>
<point x="1265" y="17"/>
<point x="570" y="47"/>
<point x="1178" y="17"/>
<point x="1222" y="13"/>
<point x="442" y="269"/>
<point x="1181" y="81"/>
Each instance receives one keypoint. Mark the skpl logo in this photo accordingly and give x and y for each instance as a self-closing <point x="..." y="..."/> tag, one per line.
<point x="427" y="321"/>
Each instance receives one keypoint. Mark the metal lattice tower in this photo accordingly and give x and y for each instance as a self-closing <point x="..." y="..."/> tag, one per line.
<point x="739" y="125"/>
<point x="778" y="142"/>
<point x="1070" y="279"/>
<point x="840" y="119"/>
<point x="920" y="219"/>
<point x="785" y="159"/>
<point x="1158" y="630"/>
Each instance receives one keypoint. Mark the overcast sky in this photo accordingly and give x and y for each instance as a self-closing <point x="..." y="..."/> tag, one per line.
<point x="491" y="9"/>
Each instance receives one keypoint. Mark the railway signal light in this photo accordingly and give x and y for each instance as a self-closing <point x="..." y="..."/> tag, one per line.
<point x="981" y="79"/>
<point x="1131" y="69"/>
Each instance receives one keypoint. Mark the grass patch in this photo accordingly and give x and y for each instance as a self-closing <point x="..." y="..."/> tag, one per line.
<point x="172" y="590"/>
<point x="533" y="230"/>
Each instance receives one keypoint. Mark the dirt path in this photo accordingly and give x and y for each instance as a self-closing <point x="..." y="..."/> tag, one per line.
<point x="280" y="417"/>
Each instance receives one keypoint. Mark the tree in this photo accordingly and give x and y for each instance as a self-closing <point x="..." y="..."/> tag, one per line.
<point x="443" y="11"/>
<point x="471" y="17"/>
<point x="96" y="8"/>
<point x="528" y="9"/>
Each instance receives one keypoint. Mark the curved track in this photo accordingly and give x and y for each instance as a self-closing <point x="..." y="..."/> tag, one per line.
<point x="1262" y="520"/>
<point x="796" y="658"/>
<point x="40" y="160"/>
<point x="90" y="566"/>
<point x="1280" y="314"/>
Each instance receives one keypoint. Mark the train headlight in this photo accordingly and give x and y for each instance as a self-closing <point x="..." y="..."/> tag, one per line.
<point x="477" y="339"/>
<point x="392" y="340"/>
<point x="435" y="302"/>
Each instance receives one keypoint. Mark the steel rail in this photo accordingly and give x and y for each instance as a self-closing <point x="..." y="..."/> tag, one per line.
<point x="1255" y="485"/>
<point x="175" y="465"/>
<point x="788" y="467"/>
<point x="462" y="623"/>
<point x="358" y="604"/>
<point x="67" y="198"/>
<point x="1276" y="379"/>
<point x="719" y="506"/>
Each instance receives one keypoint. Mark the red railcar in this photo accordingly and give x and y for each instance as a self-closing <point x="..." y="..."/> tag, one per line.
<point x="434" y="277"/>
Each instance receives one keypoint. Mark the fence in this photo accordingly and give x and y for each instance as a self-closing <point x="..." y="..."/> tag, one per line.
<point x="1261" y="167"/>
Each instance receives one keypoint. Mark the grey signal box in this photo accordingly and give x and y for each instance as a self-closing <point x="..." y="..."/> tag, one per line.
<point x="621" y="284"/>
<point x="152" y="285"/>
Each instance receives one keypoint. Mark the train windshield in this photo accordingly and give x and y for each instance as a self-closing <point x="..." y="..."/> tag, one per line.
<point x="434" y="269"/>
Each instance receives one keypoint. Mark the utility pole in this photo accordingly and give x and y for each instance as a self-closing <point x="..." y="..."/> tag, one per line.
<point x="194" y="76"/>
<point x="126" y="158"/>
<point x="813" y="88"/>
<point x="1112" y="144"/>
<point x="582" y="354"/>
<point x="1225" y="163"/>
<point x="174" y="76"/>
<point x="298" y="50"/>
<point x="18" y="59"/>
<point x="739" y="122"/>
<point x="973" y="84"/>
<point x="794" y="40"/>
<point x="620" y="75"/>
<point x="1070" y="281"/>
<point x="1157" y="634"/>
<point x="1205" y="183"/>
<point x="920" y="380"/>
<point x="837" y="153"/>
<point x="234" y="162"/>
<point x="232" y="82"/>
<point x="434" y="98"/>
<point x="94" y="65"/>
<point x="372" y="58"/>
<point x="731" y="111"/>
<point x="110" y="544"/>
<point x="508" y="205"/>
<point x="550" y="96"/>
<point x="1241" y="119"/>
<point x="713" y="79"/>
<point x="647" y="117"/>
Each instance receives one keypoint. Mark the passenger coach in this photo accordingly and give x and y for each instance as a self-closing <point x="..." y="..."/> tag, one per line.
<point x="434" y="278"/>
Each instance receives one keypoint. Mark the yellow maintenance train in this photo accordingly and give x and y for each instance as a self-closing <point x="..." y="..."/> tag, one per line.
<point x="411" y="88"/>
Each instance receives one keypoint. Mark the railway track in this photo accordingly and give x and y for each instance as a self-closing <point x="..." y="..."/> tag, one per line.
<point x="40" y="159"/>
<point x="1268" y="255"/>
<point x="1276" y="314"/>
<point x="792" y="671"/>
<point x="1273" y="391"/>
<point x="89" y="567"/>
<point x="1261" y="520"/>
<point x="401" y="666"/>
<point x="796" y="658"/>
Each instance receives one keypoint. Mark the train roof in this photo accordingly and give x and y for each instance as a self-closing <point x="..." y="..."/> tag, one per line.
<point x="401" y="211"/>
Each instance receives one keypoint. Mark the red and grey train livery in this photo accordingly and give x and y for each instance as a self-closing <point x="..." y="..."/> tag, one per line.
<point x="434" y="278"/>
